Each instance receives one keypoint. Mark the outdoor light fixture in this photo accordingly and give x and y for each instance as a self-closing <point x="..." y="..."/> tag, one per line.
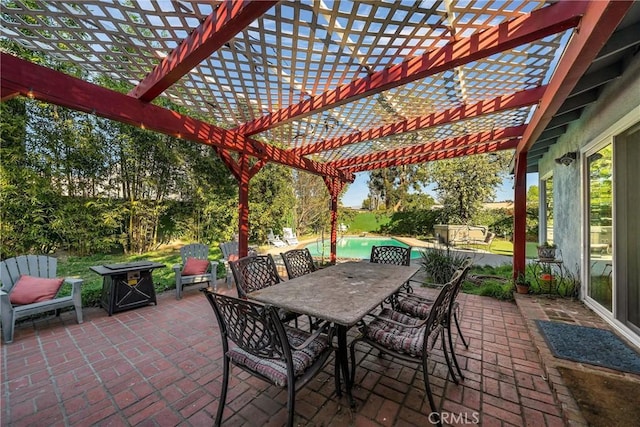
<point x="567" y="158"/>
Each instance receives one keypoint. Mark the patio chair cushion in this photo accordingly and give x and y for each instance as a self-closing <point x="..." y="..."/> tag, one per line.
<point x="395" y="337"/>
<point x="30" y="289"/>
<point x="195" y="266"/>
<point x="276" y="370"/>
<point x="414" y="307"/>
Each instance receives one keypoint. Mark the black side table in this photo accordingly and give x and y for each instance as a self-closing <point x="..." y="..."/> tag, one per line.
<point x="126" y="286"/>
<point x="553" y="267"/>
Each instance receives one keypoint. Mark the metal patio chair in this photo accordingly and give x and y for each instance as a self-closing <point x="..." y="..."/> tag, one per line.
<point x="255" y="272"/>
<point x="396" y="255"/>
<point x="264" y="347"/>
<point x="420" y="307"/>
<point x="298" y="262"/>
<point x="407" y="338"/>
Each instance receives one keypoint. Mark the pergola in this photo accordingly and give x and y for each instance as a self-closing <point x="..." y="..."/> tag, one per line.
<point x="330" y="88"/>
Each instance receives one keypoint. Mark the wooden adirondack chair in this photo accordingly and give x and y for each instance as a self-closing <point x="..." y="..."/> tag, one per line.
<point x="195" y="255"/>
<point x="31" y="268"/>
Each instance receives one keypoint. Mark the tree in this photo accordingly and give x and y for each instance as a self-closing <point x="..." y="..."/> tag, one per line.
<point x="312" y="202"/>
<point x="464" y="184"/>
<point x="393" y="186"/>
<point x="533" y="194"/>
<point x="271" y="201"/>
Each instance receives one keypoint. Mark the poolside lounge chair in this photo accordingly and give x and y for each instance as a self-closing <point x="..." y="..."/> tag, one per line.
<point x="275" y="240"/>
<point x="289" y="236"/>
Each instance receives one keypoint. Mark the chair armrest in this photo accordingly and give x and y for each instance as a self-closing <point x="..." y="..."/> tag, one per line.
<point x="76" y="292"/>
<point x="416" y="297"/>
<point x="324" y="325"/>
<point x="177" y="268"/>
<point x="5" y="303"/>
<point x="73" y="281"/>
<point x="214" y="269"/>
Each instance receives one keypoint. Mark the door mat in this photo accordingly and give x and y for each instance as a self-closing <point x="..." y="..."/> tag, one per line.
<point x="589" y="345"/>
<point x="604" y="401"/>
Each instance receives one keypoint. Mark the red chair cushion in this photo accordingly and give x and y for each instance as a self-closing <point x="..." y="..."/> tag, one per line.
<point x="195" y="266"/>
<point x="30" y="289"/>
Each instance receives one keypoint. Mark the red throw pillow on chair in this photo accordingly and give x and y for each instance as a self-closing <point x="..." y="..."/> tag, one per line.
<point x="30" y="289"/>
<point x="195" y="266"/>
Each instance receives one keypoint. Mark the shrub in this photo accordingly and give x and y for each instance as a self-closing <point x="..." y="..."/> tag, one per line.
<point x="440" y="264"/>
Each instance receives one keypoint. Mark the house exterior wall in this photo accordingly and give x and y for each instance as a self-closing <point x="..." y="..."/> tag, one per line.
<point x="617" y="100"/>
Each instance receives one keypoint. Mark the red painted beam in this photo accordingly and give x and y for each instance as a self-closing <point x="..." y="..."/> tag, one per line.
<point x="536" y="25"/>
<point x="520" y="215"/>
<point x="434" y="146"/>
<point x="229" y="162"/>
<point x="598" y="23"/>
<point x="229" y="18"/>
<point x="60" y="89"/>
<point x="500" y="103"/>
<point x="8" y="92"/>
<point x="489" y="147"/>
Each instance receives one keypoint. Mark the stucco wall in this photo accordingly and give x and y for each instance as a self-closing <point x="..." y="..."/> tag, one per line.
<point x="618" y="98"/>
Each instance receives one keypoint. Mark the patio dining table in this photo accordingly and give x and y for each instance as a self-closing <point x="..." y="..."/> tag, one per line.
<point x="342" y="294"/>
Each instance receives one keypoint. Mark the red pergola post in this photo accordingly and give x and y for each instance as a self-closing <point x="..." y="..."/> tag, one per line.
<point x="247" y="171"/>
<point x="335" y="186"/>
<point x="520" y="215"/>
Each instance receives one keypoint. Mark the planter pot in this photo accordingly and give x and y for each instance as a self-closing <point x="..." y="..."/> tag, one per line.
<point x="546" y="253"/>
<point x="522" y="289"/>
<point x="546" y="281"/>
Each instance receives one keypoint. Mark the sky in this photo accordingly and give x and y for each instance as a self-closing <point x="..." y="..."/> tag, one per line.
<point x="358" y="190"/>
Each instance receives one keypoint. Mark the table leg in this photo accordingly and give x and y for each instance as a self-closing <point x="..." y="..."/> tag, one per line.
<point x="343" y="360"/>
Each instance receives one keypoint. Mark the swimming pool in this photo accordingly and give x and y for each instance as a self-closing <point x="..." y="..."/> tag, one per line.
<point x="354" y="247"/>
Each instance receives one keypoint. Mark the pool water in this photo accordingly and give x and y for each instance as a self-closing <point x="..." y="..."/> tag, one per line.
<point x="354" y="247"/>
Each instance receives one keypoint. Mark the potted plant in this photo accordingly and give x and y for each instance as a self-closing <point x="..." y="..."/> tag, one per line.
<point x="522" y="284"/>
<point x="547" y="251"/>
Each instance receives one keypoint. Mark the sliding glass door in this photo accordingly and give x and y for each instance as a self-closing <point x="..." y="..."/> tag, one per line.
<point x="599" y="215"/>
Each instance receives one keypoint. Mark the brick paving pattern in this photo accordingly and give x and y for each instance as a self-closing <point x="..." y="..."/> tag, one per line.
<point x="161" y="366"/>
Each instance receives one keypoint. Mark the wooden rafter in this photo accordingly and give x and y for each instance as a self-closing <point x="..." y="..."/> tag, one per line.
<point x="433" y="146"/>
<point x="500" y="103"/>
<point x="229" y="18"/>
<point x="487" y="147"/>
<point x="538" y="24"/>
<point x="61" y="89"/>
<point x="598" y="23"/>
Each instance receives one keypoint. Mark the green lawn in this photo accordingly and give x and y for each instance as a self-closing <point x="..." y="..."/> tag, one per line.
<point x="505" y="247"/>
<point x="367" y="222"/>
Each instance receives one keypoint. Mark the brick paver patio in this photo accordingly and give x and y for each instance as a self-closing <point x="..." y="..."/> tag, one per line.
<point x="161" y="366"/>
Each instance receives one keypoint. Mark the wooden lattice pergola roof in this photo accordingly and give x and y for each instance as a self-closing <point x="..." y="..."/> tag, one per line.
<point x="328" y="87"/>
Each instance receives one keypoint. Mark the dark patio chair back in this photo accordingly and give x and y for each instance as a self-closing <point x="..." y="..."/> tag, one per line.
<point x="264" y="347"/>
<point x="391" y="255"/>
<point x="253" y="273"/>
<point x="298" y="262"/>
